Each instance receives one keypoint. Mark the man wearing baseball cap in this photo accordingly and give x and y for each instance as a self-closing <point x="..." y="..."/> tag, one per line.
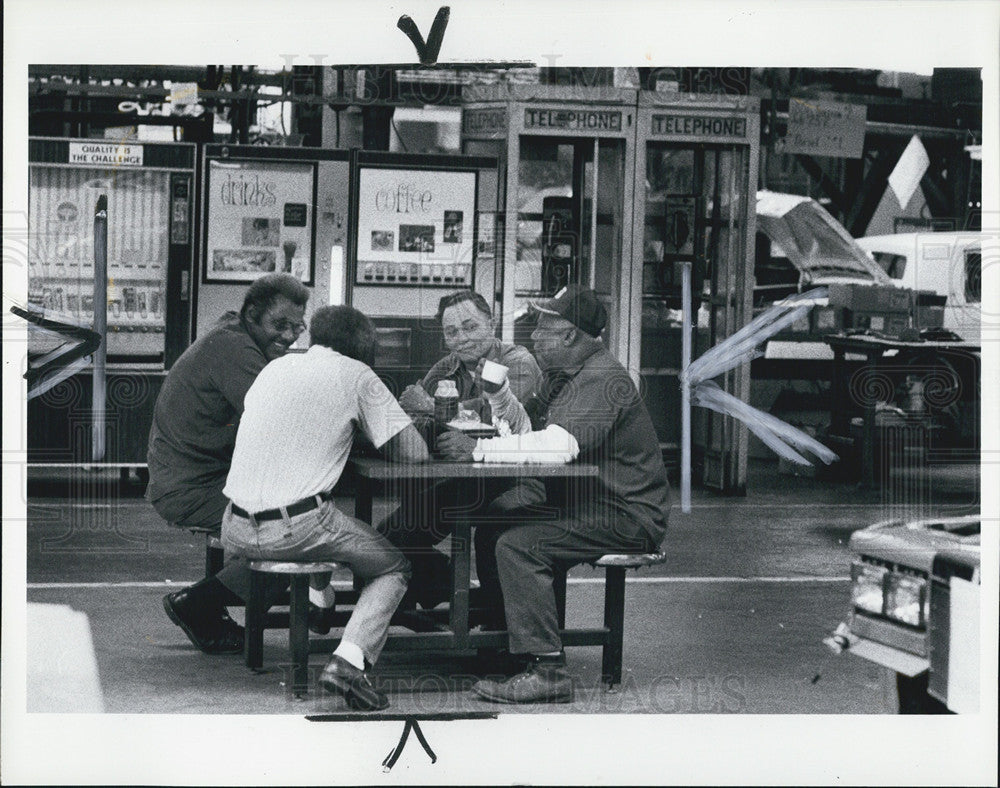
<point x="579" y="306"/>
<point x="589" y="410"/>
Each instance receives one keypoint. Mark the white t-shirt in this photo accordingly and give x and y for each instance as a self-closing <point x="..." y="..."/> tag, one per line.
<point x="299" y="421"/>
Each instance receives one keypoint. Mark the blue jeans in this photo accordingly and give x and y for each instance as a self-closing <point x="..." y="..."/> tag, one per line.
<point x="327" y="534"/>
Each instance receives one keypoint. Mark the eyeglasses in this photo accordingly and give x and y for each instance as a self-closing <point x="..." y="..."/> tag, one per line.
<point x="281" y="326"/>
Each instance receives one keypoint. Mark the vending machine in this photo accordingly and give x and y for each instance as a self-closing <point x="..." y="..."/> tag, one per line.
<point x="150" y="193"/>
<point x="386" y="233"/>
<point x="422" y="226"/>
<point x="270" y="209"/>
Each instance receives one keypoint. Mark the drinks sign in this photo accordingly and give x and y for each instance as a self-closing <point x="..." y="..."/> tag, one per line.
<point x="260" y="219"/>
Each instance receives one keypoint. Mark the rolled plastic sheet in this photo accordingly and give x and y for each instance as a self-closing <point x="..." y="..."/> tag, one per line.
<point x="782" y="438"/>
<point x="742" y="346"/>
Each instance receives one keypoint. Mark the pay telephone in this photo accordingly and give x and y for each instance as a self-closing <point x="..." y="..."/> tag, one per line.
<point x="560" y="244"/>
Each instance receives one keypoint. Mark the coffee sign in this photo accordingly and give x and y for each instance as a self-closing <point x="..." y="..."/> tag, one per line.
<point x="415" y="227"/>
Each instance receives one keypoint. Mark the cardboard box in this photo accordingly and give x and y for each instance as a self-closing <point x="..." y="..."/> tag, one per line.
<point x="930" y="317"/>
<point x="869" y="298"/>
<point x="827" y="319"/>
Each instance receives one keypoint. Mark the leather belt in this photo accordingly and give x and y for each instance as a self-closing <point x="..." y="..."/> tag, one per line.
<point x="293" y="509"/>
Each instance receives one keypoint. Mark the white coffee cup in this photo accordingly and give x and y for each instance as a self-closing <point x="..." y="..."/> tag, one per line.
<point x="494" y="373"/>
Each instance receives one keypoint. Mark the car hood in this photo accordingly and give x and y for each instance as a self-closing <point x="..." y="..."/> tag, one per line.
<point x="913" y="543"/>
<point x="814" y="242"/>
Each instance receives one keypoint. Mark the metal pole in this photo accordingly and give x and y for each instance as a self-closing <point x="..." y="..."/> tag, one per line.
<point x="686" y="388"/>
<point x="100" y="324"/>
<point x="593" y="217"/>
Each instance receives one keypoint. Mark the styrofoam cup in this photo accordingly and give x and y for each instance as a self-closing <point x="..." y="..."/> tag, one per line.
<point x="494" y="373"/>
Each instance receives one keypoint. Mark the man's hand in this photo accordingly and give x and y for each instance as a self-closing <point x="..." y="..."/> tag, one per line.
<point x="415" y="400"/>
<point x="455" y="446"/>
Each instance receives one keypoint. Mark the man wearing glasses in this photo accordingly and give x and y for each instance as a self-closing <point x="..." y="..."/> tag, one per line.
<point x="192" y="438"/>
<point x="588" y="410"/>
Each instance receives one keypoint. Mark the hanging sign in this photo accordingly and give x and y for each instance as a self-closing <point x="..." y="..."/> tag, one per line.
<point x="698" y="126"/>
<point x="484" y="123"/>
<point x="825" y="128"/>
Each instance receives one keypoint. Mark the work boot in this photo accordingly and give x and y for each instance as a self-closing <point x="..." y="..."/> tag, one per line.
<point x="198" y="611"/>
<point x="544" y="681"/>
<point x="500" y="662"/>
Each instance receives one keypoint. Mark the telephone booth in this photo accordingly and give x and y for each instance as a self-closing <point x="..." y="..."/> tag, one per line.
<point x="615" y="189"/>
<point x="567" y="195"/>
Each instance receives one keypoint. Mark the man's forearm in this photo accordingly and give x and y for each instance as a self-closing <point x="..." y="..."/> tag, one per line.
<point x="406" y="446"/>
<point x="506" y="406"/>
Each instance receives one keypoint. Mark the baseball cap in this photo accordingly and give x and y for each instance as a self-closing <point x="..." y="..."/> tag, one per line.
<point x="579" y="306"/>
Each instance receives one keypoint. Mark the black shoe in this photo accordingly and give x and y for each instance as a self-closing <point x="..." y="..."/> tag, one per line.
<point x="321" y="619"/>
<point x="213" y="631"/>
<point x="341" y="676"/>
<point x="428" y="596"/>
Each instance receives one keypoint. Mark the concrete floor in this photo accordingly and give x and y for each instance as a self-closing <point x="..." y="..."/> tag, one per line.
<point x="731" y="623"/>
<point x="730" y="627"/>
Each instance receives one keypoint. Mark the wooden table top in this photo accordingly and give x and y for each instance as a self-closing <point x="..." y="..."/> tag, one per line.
<point x="379" y="469"/>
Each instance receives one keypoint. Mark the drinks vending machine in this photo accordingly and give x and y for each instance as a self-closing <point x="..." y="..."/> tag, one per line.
<point x="149" y="188"/>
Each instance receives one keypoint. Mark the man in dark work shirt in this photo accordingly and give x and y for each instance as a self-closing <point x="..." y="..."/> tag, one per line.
<point x="588" y="410"/>
<point x="192" y="438"/>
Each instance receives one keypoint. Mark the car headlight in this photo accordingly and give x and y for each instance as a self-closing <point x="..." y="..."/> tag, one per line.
<point x="904" y="598"/>
<point x="867" y="587"/>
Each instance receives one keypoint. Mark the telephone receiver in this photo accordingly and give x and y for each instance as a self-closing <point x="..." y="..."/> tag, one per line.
<point x="678" y="229"/>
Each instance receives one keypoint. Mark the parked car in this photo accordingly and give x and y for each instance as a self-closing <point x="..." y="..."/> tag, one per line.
<point x="808" y="248"/>
<point x="801" y="246"/>
<point x="948" y="263"/>
<point x="914" y="610"/>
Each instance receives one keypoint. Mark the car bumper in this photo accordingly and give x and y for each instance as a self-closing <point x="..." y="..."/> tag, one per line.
<point x="843" y="639"/>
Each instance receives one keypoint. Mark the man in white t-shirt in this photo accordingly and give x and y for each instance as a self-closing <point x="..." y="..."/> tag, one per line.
<point x="299" y="421"/>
